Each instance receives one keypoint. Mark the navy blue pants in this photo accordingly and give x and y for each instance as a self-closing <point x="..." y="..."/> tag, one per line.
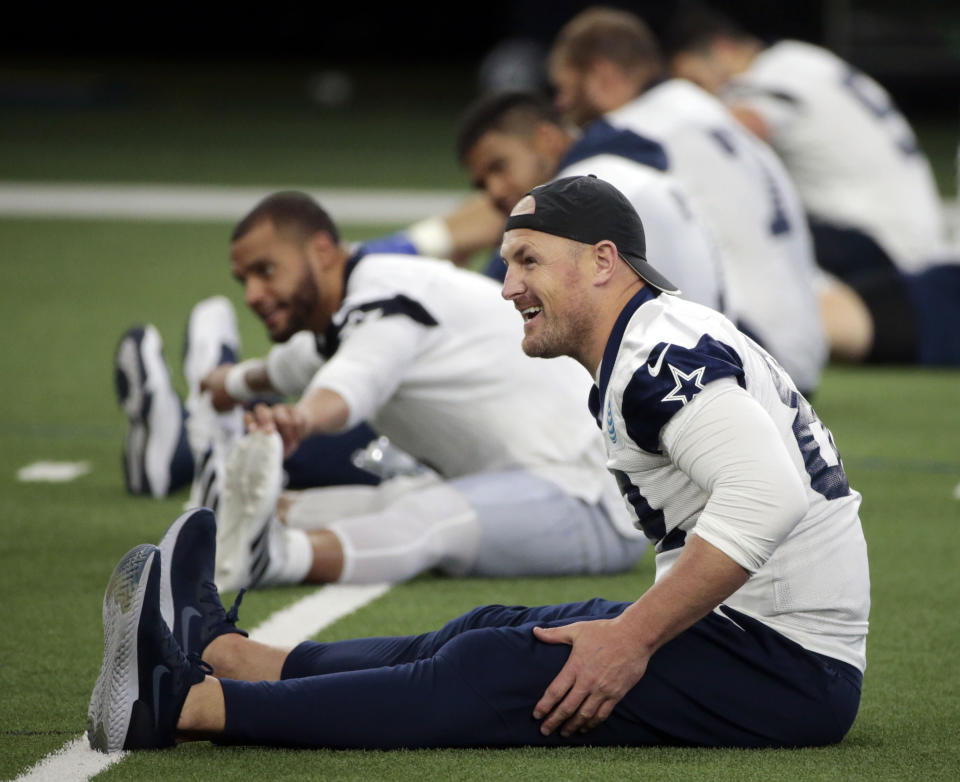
<point x="474" y="683"/>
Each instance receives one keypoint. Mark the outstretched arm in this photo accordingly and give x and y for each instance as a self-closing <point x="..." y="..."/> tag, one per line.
<point x="320" y="410"/>
<point x="232" y="384"/>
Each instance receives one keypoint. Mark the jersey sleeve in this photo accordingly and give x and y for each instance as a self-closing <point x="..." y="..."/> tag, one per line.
<point x="373" y="348"/>
<point x="670" y="379"/>
<point x="777" y="106"/>
<point x="729" y="446"/>
<point x="292" y="364"/>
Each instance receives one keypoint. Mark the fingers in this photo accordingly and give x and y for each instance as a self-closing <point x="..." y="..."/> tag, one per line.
<point x="555" y="635"/>
<point x="558" y="688"/>
<point x="260" y="419"/>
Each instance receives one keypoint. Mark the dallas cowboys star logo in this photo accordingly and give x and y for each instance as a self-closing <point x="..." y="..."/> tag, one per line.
<point x="686" y="385"/>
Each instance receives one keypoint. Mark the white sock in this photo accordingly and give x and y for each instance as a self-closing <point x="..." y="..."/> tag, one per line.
<point x="291" y="555"/>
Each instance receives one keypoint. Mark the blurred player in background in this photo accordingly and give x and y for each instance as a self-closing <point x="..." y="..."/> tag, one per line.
<point x="170" y="444"/>
<point x="511" y="142"/>
<point x="430" y="355"/>
<point x="868" y="189"/>
<point x="607" y="67"/>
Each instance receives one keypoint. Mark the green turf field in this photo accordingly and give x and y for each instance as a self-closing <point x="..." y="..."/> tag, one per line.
<point x="71" y="287"/>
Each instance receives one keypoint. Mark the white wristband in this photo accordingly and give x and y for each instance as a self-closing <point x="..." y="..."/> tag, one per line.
<point x="236" y="380"/>
<point x="431" y="237"/>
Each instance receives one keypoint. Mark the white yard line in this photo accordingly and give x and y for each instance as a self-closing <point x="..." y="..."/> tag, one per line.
<point x="200" y="203"/>
<point x="204" y="203"/>
<point x="75" y="761"/>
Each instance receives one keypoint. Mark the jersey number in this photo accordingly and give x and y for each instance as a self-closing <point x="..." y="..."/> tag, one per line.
<point x="820" y="456"/>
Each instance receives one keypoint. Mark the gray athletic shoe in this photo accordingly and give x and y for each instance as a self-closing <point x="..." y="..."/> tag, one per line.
<point x="246" y="519"/>
<point x="145" y="677"/>
<point x="156" y="456"/>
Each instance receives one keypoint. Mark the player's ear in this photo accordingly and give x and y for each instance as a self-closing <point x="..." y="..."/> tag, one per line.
<point x="322" y="248"/>
<point x="605" y="261"/>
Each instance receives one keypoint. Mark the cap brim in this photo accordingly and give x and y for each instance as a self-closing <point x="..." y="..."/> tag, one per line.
<point x="650" y="275"/>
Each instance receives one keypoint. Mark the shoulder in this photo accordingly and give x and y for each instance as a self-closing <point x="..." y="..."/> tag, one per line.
<point x="791" y="62"/>
<point x="671" y="350"/>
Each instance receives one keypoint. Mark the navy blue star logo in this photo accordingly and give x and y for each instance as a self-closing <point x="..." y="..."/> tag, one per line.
<point x="686" y="386"/>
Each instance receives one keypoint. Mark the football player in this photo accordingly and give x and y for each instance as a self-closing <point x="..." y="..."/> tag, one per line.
<point x="868" y="189"/>
<point x="606" y="66"/>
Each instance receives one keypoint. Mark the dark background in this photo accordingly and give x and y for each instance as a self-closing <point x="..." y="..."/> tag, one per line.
<point x="913" y="47"/>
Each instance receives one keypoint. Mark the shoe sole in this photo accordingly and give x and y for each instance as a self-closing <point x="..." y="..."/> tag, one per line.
<point x="135" y="403"/>
<point x="153" y="410"/>
<point x="210" y="316"/>
<point x="117" y="687"/>
<point x="252" y="483"/>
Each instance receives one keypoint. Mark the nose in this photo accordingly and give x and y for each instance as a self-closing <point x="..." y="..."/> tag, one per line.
<point x="499" y="191"/>
<point x="253" y="292"/>
<point x="512" y="286"/>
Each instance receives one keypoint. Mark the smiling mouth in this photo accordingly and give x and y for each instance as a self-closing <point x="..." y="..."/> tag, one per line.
<point x="529" y="313"/>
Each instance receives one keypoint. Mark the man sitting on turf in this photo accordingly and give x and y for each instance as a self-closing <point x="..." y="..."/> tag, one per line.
<point x="429" y="355"/>
<point x="753" y="634"/>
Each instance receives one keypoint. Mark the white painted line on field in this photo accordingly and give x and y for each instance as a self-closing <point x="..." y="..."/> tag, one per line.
<point x="311" y="614"/>
<point x="76" y="762"/>
<point x="211" y="202"/>
<point x="52" y="472"/>
<point x="956" y="492"/>
<point x="73" y="761"/>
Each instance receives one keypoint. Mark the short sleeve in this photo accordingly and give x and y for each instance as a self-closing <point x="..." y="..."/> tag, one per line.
<point x="671" y="377"/>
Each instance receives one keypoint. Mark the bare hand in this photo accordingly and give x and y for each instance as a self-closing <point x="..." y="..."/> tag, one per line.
<point x="603" y="665"/>
<point x="216" y="384"/>
<point x="289" y="421"/>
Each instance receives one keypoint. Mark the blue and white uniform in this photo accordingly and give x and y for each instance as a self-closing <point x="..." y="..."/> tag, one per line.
<point x="709" y="437"/>
<point x="430" y="355"/>
<point x="740" y="188"/>
<point x="853" y="156"/>
<point x="684" y="247"/>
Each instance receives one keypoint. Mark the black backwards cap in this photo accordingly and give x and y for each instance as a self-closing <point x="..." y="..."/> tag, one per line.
<point x="587" y="209"/>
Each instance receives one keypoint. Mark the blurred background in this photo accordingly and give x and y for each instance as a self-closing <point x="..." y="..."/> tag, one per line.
<point x="362" y="93"/>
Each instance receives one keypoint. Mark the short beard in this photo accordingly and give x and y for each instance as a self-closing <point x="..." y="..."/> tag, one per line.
<point x="564" y="338"/>
<point x="303" y="306"/>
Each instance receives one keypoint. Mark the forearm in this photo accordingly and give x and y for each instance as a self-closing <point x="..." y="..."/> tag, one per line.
<point x="247" y="379"/>
<point x="700" y="579"/>
<point x="322" y="410"/>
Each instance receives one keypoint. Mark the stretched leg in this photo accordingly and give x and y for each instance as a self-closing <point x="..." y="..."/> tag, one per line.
<point x="510" y="523"/>
<point x="312" y="658"/>
<point x="726" y="681"/>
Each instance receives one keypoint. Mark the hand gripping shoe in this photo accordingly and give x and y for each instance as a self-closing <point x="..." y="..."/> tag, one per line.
<point x="145" y="677"/>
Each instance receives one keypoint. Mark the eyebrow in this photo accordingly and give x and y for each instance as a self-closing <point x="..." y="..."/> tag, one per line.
<point x="519" y="249"/>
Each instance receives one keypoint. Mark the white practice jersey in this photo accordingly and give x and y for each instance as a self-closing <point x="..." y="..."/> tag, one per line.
<point x="741" y="189"/>
<point x="853" y="156"/>
<point x="678" y="242"/>
<point x="707" y="435"/>
<point x="430" y="356"/>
